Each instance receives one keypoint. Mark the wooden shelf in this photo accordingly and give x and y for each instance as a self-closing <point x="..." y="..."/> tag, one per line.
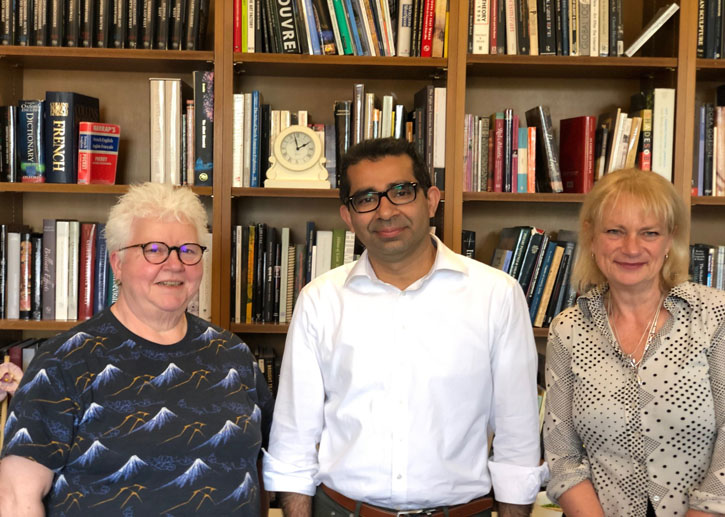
<point x="107" y="59"/>
<point x="340" y="66"/>
<point x="567" y="66"/>
<point x="74" y="188"/>
<point x="707" y="200"/>
<point x="315" y="193"/>
<point x="259" y="328"/>
<point x="513" y="197"/>
<point x="541" y="332"/>
<point x="47" y="325"/>
<point x="710" y="69"/>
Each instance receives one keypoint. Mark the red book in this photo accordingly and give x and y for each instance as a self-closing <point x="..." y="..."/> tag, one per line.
<point x="15" y="353"/>
<point x="498" y="150"/>
<point x="493" y="25"/>
<point x="426" y="38"/>
<point x="237" y="17"/>
<point x="86" y="270"/>
<point x="515" y="154"/>
<point x="576" y="153"/>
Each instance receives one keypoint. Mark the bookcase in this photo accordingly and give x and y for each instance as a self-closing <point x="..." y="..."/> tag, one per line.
<point x="570" y="86"/>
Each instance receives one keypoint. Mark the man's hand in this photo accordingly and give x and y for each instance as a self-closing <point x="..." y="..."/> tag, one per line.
<point x="295" y="505"/>
<point x="513" y="510"/>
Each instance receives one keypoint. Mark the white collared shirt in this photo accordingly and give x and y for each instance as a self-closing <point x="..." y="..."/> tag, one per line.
<point x="401" y="389"/>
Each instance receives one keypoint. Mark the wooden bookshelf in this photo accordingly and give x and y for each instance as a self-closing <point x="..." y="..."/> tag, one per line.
<point x="477" y="84"/>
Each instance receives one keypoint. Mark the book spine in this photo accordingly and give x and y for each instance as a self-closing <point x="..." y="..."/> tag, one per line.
<point x="74" y="245"/>
<point x="204" y="128"/>
<point x="40" y="29"/>
<point x="100" y="270"/>
<point x="3" y="270"/>
<point x="8" y="145"/>
<point x="103" y="23"/>
<point x="148" y="23"/>
<point x="134" y="24"/>
<point x="507" y="149"/>
<point x="26" y="259"/>
<point x="178" y="10"/>
<point x="87" y="258"/>
<point x="87" y="16"/>
<point x="24" y="23"/>
<point x="522" y="27"/>
<point x="72" y="21"/>
<point x="405" y="27"/>
<point x="162" y="14"/>
<point x="426" y="41"/>
<point x="12" y="307"/>
<point x="7" y="22"/>
<point x="48" y="283"/>
<point x="30" y="141"/>
<point x="255" y="179"/>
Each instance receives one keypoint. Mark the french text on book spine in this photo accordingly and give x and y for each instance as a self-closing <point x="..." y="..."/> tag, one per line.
<point x="98" y="152"/>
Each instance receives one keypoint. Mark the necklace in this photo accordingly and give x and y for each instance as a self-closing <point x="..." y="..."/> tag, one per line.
<point x="649" y="331"/>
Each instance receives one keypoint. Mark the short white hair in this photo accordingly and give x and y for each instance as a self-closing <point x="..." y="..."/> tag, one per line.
<point x="157" y="201"/>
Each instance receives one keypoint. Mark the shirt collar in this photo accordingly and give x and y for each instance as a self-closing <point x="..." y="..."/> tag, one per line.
<point x="681" y="295"/>
<point x="445" y="259"/>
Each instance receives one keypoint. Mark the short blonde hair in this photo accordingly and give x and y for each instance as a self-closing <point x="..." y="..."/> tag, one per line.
<point x="156" y="201"/>
<point x="657" y="197"/>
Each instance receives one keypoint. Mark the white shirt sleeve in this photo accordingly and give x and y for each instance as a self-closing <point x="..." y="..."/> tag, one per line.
<point x="290" y="463"/>
<point x="515" y="471"/>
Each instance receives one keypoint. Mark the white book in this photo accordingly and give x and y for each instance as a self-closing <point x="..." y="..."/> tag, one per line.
<point x="616" y="139"/>
<point x="387" y="123"/>
<point x="366" y="26"/>
<point x="349" y="253"/>
<point x="306" y="16"/>
<point x="583" y="21"/>
<point x="285" y="119"/>
<point x="511" y="37"/>
<point x="335" y="27"/>
<point x="405" y="27"/>
<point x="28" y="355"/>
<point x="283" y="272"/>
<point x="439" y="128"/>
<point x="157" y="130"/>
<point x="172" y="119"/>
<point x="594" y="28"/>
<point x="74" y="240"/>
<point x="238" y="141"/>
<point x="238" y="275"/>
<point x="663" y="131"/>
<point x="13" y="279"/>
<point x="313" y="269"/>
<point x="659" y="19"/>
<point x="206" y="280"/>
<point x="481" y="27"/>
<point x="251" y="26"/>
<point x="274" y="123"/>
<point x="720" y="284"/>
<point x="247" y="141"/>
<point x="533" y="28"/>
<point x="302" y="118"/>
<point x="323" y="260"/>
<point x="368" y="120"/>
<point x="624" y="143"/>
<point x="61" y="269"/>
<point x="604" y="28"/>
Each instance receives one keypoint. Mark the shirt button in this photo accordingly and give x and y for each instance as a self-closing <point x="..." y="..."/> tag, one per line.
<point x="655" y="498"/>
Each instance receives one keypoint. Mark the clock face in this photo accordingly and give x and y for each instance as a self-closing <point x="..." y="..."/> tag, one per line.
<point x="298" y="149"/>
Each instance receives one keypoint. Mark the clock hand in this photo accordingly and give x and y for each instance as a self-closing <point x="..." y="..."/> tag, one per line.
<point x="303" y="145"/>
<point x="296" y="144"/>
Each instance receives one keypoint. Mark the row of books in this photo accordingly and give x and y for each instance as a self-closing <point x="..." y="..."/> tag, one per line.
<point x="57" y="140"/>
<point x="707" y="265"/>
<point x="500" y="156"/>
<point x="364" y="117"/>
<point x="269" y="269"/>
<point x="182" y="130"/>
<point x="710" y="29"/>
<point x="64" y="273"/>
<point x="708" y="177"/>
<point x="542" y="265"/>
<point x="147" y="24"/>
<point x="269" y="364"/>
<point x="342" y="27"/>
<point x="555" y="27"/>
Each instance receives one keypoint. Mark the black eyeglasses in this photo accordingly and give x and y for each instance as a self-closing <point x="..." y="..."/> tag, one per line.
<point x="189" y="253"/>
<point x="400" y="194"/>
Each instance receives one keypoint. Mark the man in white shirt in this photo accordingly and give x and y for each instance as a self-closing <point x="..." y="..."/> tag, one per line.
<point x="397" y="367"/>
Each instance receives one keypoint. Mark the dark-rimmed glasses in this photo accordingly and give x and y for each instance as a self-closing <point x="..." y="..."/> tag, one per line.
<point x="399" y="194"/>
<point x="189" y="253"/>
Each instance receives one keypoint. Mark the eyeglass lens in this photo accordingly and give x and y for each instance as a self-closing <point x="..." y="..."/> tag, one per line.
<point x="158" y="252"/>
<point x="397" y="194"/>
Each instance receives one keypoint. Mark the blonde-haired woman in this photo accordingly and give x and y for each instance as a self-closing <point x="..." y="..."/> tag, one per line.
<point x="143" y="409"/>
<point x="635" y="371"/>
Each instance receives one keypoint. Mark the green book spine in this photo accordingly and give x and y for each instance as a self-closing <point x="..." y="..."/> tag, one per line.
<point x="338" y="247"/>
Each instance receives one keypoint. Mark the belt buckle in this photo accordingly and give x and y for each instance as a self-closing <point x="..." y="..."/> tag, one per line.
<point x="427" y="512"/>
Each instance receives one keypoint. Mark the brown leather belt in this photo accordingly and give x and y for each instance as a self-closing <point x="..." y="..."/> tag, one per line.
<point x="367" y="510"/>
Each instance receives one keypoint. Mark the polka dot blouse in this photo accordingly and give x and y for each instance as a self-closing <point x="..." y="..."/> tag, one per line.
<point x="650" y="434"/>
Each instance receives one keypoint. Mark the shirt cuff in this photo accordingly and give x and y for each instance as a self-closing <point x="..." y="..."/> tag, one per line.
<point x="284" y="477"/>
<point x="705" y="502"/>
<point x="515" y="484"/>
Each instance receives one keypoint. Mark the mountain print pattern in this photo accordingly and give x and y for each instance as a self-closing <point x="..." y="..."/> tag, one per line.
<point x="134" y="428"/>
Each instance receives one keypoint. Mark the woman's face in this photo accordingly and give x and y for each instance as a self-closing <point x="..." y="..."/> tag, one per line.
<point x="149" y="288"/>
<point x="630" y="245"/>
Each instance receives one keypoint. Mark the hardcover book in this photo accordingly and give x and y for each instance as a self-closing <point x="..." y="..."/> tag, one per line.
<point x="86" y="280"/>
<point x="31" y="151"/>
<point x="8" y="144"/>
<point x="48" y="283"/>
<point x="3" y="269"/>
<point x="204" y="130"/>
<point x="103" y="23"/>
<point x="64" y="112"/>
<point x="98" y="152"/>
<point x="547" y="157"/>
<point x="576" y="149"/>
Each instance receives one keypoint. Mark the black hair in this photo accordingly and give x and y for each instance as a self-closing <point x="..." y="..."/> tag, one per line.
<point x="377" y="149"/>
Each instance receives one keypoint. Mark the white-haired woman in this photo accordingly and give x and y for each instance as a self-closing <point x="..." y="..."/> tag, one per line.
<point x="635" y="371"/>
<point x="143" y="409"/>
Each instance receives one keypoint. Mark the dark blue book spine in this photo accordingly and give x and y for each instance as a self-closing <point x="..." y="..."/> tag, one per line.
<point x="254" y="167"/>
<point x="8" y="144"/>
<point x="7" y="22"/>
<point x="31" y="152"/>
<point x="565" y="27"/>
<point x="311" y="237"/>
<point x="63" y="113"/>
<point x="101" y="270"/>
<point x="541" y="280"/>
<point x="204" y="128"/>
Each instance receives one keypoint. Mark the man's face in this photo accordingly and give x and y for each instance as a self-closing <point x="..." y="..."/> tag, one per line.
<point x="392" y="234"/>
